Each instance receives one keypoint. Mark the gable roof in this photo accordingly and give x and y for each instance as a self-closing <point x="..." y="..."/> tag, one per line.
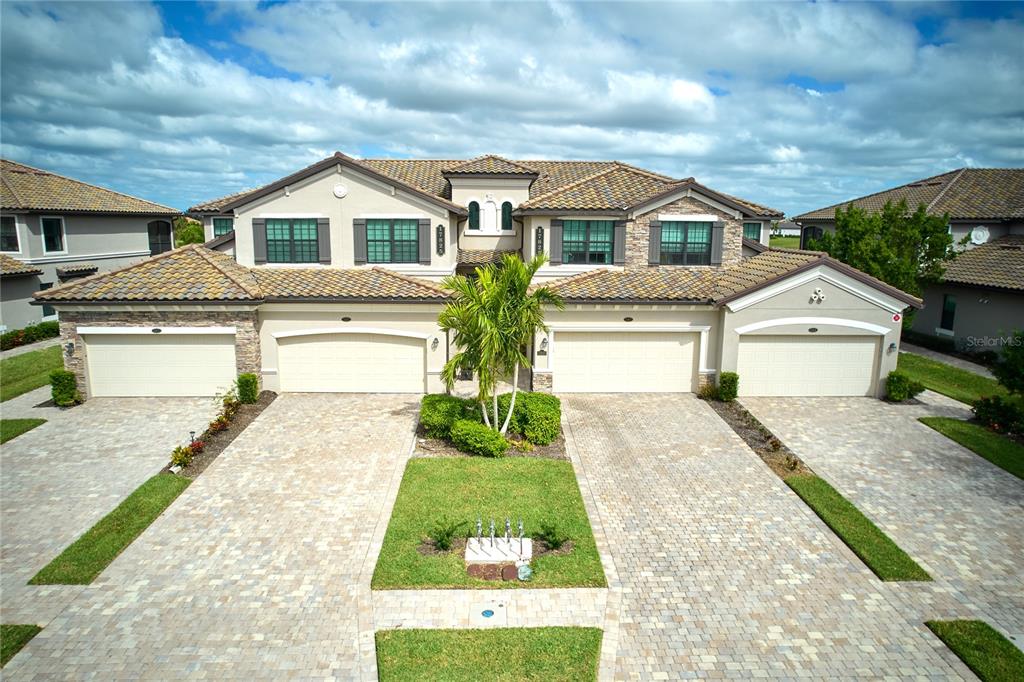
<point x="12" y="267"/>
<point x="965" y="194"/>
<point x="26" y="188"/>
<point x="998" y="263"/>
<point x="489" y="165"/>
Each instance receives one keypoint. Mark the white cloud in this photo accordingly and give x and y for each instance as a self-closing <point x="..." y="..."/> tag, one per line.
<point x="785" y="153"/>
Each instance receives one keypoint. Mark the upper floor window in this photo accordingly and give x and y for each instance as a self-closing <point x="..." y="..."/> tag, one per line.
<point x="221" y="226"/>
<point x="686" y="243"/>
<point x="506" y="216"/>
<point x="160" y="237"/>
<point x="392" y="240"/>
<point x="292" y="240"/>
<point x="474" y="215"/>
<point x="9" y="234"/>
<point x="588" y="241"/>
<point x="53" y="235"/>
<point x="752" y="231"/>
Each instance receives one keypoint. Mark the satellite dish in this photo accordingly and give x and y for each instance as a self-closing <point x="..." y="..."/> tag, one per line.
<point x="340" y="190"/>
<point x="979" y="235"/>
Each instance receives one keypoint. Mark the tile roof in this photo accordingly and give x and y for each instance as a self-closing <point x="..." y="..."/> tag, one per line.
<point x="375" y="284"/>
<point x="965" y="194"/>
<point x="489" y="165"/>
<point x="25" y="188"/>
<point x="999" y="263"/>
<point x="615" y="188"/>
<point x="77" y="269"/>
<point x="482" y="256"/>
<point x="12" y="267"/>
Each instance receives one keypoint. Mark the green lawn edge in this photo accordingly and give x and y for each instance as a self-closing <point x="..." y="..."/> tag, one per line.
<point x="13" y="638"/>
<point x="12" y="428"/>
<point x="462" y="488"/>
<point x="959" y="384"/>
<point x="986" y="652"/>
<point x="28" y="371"/>
<point x="784" y="242"/>
<point x="500" y="654"/>
<point x="996" y="448"/>
<point x="875" y="548"/>
<point x="87" y="556"/>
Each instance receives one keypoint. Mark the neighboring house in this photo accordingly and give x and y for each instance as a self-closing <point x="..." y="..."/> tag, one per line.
<point x="982" y="292"/>
<point x="61" y="229"/>
<point x="331" y="283"/>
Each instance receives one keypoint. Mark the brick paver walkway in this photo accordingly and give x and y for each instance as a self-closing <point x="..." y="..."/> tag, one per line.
<point x="958" y="515"/>
<point x="60" y="478"/>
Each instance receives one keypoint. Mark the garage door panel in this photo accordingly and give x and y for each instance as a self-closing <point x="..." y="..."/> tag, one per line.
<point x="352" y="363"/>
<point x="807" y="366"/>
<point x="624" y="362"/>
<point x="134" y="365"/>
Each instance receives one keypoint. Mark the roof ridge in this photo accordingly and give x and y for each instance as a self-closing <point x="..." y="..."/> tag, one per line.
<point x="875" y="194"/>
<point x="10" y="188"/>
<point x="408" y="278"/>
<point x="649" y="173"/>
<point x="945" y="189"/>
<point x="207" y="255"/>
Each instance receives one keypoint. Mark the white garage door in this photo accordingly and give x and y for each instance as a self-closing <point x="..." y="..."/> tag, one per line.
<point x="624" y="362"/>
<point x="352" y="363"/>
<point x="806" y="365"/>
<point x="160" y="364"/>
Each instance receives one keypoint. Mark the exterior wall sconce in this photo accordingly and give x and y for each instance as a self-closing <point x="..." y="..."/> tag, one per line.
<point x="544" y="343"/>
<point x="434" y="344"/>
<point x="892" y="347"/>
<point x="69" y="348"/>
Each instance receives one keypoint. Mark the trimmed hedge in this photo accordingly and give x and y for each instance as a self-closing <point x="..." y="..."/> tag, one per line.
<point x="64" y="388"/>
<point x="999" y="414"/>
<point x="728" y="386"/>
<point x="248" y="388"/>
<point x="477" y="439"/>
<point x="438" y="412"/>
<point x="30" y="334"/>
<point x="899" y="387"/>
<point x="537" y="416"/>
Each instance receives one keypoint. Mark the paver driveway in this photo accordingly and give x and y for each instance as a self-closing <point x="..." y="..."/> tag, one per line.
<point x="723" y="572"/>
<point x="254" y="571"/>
<point x="957" y="514"/>
<point x="59" y="479"/>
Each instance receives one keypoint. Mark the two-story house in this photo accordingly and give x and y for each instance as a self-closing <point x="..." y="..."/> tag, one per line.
<point x="328" y="280"/>
<point x="54" y="229"/>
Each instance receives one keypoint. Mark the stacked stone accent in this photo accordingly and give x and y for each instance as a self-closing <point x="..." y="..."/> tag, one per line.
<point x="247" y="339"/>
<point x="638" y="235"/>
<point x="542" y="382"/>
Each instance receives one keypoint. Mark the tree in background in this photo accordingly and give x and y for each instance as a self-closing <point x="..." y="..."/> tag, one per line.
<point x="904" y="249"/>
<point x="188" y="231"/>
<point x="1009" y="369"/>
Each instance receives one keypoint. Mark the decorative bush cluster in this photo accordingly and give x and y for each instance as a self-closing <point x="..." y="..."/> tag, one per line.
<point x="64" y="388"/>
<point x="248" y="388"/>
<point x="30" y="334"/>
<point x="900" y="387"/>
<point x="999" y="414"/>
<point x="439" y="411"/>
<point x="181" y="456"/>
<point x="728" y="386"/>
<point x="537" y="416"/>
<point x="477" y="439"/>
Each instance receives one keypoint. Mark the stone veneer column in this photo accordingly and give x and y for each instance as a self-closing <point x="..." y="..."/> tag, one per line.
<point x="542" y="382"/>
<point x="638" y="234"/>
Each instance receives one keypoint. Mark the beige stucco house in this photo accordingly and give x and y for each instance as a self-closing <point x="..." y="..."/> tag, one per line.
<point x="54" y="229"/>
<point x="328" y="280"/>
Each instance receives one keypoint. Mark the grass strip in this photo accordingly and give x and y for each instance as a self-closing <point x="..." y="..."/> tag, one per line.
<point x="991" y="656"/>
<point x="13" y="638"/>
<point x="501" y="654"/>
<point x="28" y="371"/>
<point x="12" y="428"/>
<point x="996" y="448"/>
<point x="87" y="556"/>
<point x="784" y="242"/>
<point x="954" y="382"/>
<point x="867" y="541"/>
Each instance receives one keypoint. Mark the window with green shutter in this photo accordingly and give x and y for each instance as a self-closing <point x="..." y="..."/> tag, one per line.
<point x="685" y="243"/>
<point x="292" y="240"/>
<point x="752" y="231"/>
<point x="392" y="240"/>
<point x="588" y="241"/>
<point x="221" y="226"/>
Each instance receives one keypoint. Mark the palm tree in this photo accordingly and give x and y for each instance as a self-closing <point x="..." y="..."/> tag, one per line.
<point x="493" y="319"/>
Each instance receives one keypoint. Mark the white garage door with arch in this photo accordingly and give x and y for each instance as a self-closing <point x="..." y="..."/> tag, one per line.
<point x="352" y="360"/>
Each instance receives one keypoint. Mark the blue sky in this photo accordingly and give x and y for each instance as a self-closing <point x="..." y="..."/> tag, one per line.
<point x="794" y="105"/>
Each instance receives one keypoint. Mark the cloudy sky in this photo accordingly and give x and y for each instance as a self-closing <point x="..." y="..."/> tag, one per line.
<point x="795" y="105"/>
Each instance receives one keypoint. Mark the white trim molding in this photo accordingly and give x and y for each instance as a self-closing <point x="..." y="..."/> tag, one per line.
<point x="63" y="234"/>
<point x="380" y="331"/>
<point x="151" y="329"/>
<point x="881" y="300"/>
<point x="834" y="321"/>
<point x="290" y="215"/>
<point x="89" y="257"/>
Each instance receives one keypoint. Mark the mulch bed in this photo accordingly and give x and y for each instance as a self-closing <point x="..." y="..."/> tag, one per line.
<point x="217" y="442"/>
<point x="756" y="435"/>
<point x="435" y="447"/>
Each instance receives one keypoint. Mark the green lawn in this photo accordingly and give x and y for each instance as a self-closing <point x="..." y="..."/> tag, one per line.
<point x="510" y="654"/>
<point x="785" y="242"/>
<point x="461" y="489"/>
<point x="27" y="371"/>
<point x="87" y="556"/>
<point x="11" y="428"/>
<point x="994" y="447"/>
<point x="867" y="541"/>
<point x="957" y="383"/>
<point x="991" y="656"/>
<point x="13" y="638"/>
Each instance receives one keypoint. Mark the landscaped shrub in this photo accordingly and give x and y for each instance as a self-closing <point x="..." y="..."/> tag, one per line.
<point x="999" y="414"/>
<point x="900" y="387"/>
<point x="181" y="456"/>
<point x="30" y="334"/>
<point x="248" y="388"/>
<point x="443" y="533"/>
<point x="477" y="439"/>
<point x="439" y="411"/>
<point x="728" y="386"/>
<point x="537" y="416"/>
<point x="552" y="536"/>
<point x="708" y="392"/>
<point x="64" y="388"/>
<point x="220" y="423"/>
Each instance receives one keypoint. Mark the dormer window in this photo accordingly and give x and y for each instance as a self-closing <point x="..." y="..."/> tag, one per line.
<point x="474" y="215"/>
<point x="506" y="216"/>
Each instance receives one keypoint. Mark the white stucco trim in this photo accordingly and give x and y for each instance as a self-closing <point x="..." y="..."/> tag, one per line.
<point x="396" y="216"/>
<point x="688" y="217"/>
<point x="834" y="321"/>
<point x="163" y="330"/>
<point x="380" y="331"/>
<point x="703" y="330"/>
<point x="879" y="299"/>
<point x="87" y="257"/>
<point x="291" y="214"/>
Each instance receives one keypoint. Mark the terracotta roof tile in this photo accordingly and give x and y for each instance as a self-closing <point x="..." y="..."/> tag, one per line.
<point x="489" y="165"/>
<point x="999" y="263"/>
<point x="352" y="283"/>
<point x="482" y="256"/>
<point x="12" y="267"/>
<point x="615" y="188"/>
<point x="26" y="188"/>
